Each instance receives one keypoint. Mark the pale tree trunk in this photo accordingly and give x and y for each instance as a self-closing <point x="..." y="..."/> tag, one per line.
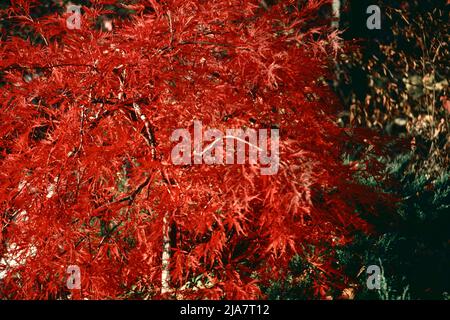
<point x="336" y="11"/>
<point x="165" y="276"/>
<point x="165" y="259"/>
<point x="335" y="22"/>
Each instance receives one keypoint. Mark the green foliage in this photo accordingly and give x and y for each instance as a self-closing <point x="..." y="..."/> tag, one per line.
<point x="413" y="245"/>
<point x="396" y="81"/>
<point x="297" y="285"/>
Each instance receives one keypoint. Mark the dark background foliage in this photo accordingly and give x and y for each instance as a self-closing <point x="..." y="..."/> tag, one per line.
<point x="395" y="81"/>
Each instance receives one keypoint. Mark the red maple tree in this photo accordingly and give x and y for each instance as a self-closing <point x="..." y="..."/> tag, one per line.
<point x="85" y="152"/>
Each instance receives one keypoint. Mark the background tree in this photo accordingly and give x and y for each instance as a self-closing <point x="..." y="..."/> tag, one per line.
<point x="395" y="81"/>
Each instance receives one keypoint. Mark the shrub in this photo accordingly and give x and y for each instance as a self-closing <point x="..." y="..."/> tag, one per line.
<point x="87" y="178"/>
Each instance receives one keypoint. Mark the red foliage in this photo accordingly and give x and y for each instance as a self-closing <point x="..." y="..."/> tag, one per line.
<point x="86" y="180"/>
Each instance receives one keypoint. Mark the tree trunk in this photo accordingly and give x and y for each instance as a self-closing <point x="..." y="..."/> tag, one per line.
<point x="165" y="276"/>
<point x="336" y="12"/>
